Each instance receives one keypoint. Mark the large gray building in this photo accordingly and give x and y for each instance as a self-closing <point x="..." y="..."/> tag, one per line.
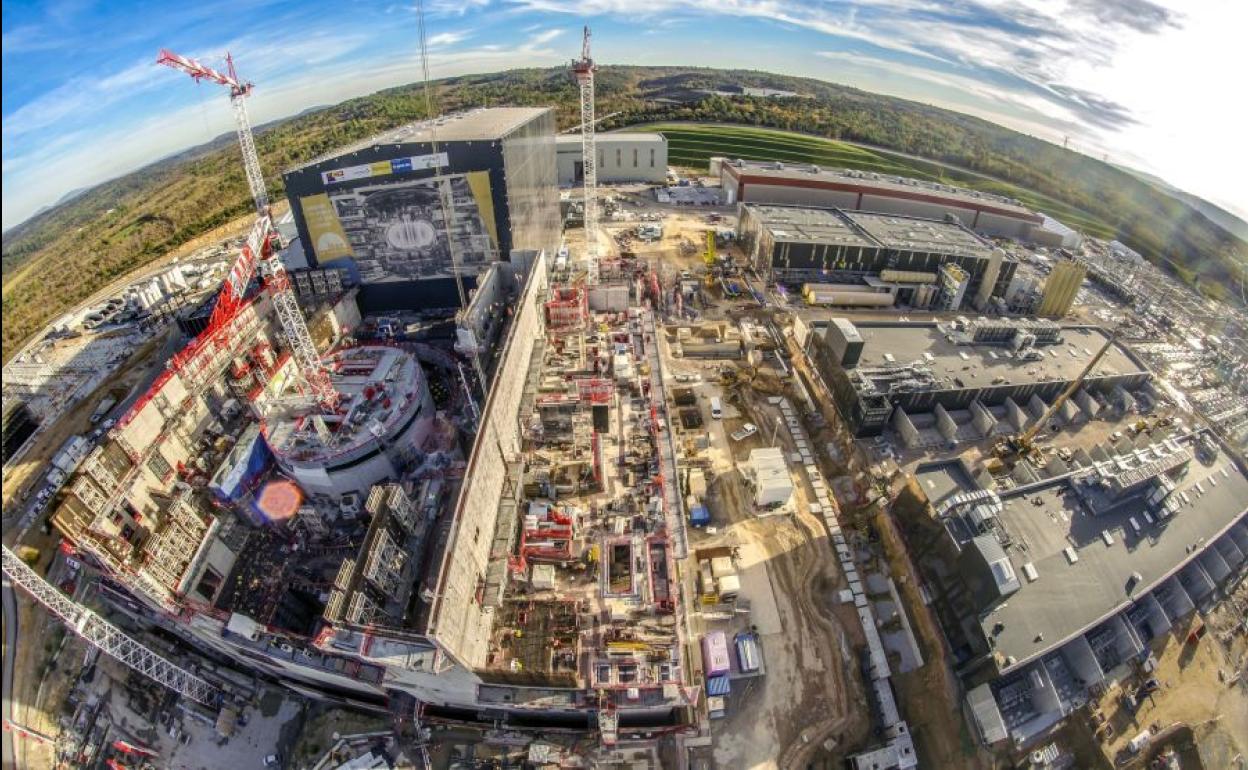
<point x="1057" y="588"/>
<point x="928" y="367"/>
<point x="378" y="206"/>
<point x="795" y="244"/>
<point x="623" y="157"/>
<point x="799" y="184"/>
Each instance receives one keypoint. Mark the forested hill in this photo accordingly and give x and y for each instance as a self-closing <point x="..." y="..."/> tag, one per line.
<point x="123" y="224"/>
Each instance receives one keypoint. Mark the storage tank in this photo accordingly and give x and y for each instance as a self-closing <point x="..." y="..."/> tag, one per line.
<point x="923" y="296"/>
<point x="841" y="297"/>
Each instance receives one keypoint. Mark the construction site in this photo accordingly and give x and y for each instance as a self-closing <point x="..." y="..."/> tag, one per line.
<point x="448" y="468"/>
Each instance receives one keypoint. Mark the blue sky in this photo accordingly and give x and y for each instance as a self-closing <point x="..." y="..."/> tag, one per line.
<point x="1150" y="85"/>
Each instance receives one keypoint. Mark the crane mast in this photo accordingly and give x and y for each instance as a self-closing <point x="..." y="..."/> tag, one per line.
<point x="583" y="69"/>
<point x="259" y="252"/>
<point x="107" y="637"/>
<point x="1022" y="443"/>
<point x="239" y="91"/>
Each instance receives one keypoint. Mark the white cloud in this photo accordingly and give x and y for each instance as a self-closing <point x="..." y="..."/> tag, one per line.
<point x="542" y="38"/>
<point x="1048" y="67"/>
<point x="446" y="39"/>
<point x="28" y="37"/>
<point x="455" y="7"/>
<point x="80" y="98"/>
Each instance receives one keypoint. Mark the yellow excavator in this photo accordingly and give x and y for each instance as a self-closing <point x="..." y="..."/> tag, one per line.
<point x="709" y="255"/>
<point x="1020" y="445"/>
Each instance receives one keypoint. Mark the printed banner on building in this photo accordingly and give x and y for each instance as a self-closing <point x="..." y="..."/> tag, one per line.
<point x="401" y="230"/>
<point x="329" y="240"/>
<point x="385" y="168"/>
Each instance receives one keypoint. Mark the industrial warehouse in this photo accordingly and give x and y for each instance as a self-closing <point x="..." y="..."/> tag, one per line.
<point x="796" y="184"/>
<point x="623" y="157"/>
<point x="989" y="371"/>
<point x="861" y="259"/>
<point x="406" y="233"/>
<point x="1056" y="586"/>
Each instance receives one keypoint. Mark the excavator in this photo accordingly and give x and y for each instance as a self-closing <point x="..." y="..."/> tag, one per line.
<point x="1021" y="445"/>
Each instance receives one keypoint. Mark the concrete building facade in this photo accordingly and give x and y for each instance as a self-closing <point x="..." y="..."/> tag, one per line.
<point x="623" y="157"/>
<point x="380" y="206"/>
<point x="876" y="252"/>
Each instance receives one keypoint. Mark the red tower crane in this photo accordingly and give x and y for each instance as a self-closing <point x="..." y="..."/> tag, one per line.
<point x="259" y="249"/>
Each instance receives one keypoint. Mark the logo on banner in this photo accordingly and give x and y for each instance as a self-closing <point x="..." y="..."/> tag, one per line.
<point x="385" y="168"/>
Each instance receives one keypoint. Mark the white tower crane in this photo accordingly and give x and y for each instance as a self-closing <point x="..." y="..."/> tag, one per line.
<point x="108" y="638"/>
<point x="583" y="68"/>
<point x="302" y="348"/>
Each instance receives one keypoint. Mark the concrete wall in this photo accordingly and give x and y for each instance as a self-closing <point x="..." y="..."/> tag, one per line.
<point x="905" y="428"/>
<point x="622" y="158"/>
<point x="984" y="422"/>
<point x="609" y="298"/>
<point x="459" y="622"/>
<point x="945" y="424"/>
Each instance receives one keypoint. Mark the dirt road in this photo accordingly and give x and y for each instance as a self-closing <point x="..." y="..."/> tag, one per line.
<point x="811" y="694"/>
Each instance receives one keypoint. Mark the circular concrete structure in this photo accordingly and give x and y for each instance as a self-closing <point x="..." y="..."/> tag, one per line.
<point x="384" y="417"/>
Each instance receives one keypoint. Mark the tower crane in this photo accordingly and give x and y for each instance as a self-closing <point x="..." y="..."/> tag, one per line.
<point x="583" y="69"/>
<point x="108" y="638"/>
<point x="1022" y="444"/>
<point x="259" y="249"/>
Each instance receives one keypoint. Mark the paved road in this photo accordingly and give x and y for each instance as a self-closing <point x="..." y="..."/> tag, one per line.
<point x="10" y="646"/>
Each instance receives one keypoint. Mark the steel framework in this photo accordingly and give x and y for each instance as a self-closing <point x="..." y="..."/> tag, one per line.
<point x="239" y="91"/>
<point x="107" y="637"/>
<point x="584" y="68"/>
<point x="259" y="251"/>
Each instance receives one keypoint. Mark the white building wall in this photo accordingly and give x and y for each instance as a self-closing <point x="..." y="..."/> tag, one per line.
<point x="460" y="623"/>
<point x="1006" y="227"/>
<point x="912" y="208"/>
<point x="623" y="158"/>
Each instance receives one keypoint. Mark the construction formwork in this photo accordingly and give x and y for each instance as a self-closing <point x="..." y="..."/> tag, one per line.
<point x="567" y="309"/>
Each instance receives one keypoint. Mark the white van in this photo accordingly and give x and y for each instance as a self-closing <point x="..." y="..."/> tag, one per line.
<point x="717" y="409"/>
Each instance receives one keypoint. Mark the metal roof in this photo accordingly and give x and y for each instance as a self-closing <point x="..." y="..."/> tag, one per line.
<point x="482" y="124"/>
<point x="1069" y="598"/>
<point x="884" y="183"/>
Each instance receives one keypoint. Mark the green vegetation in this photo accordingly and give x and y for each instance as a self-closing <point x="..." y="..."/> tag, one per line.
<point x="124" y="224"/>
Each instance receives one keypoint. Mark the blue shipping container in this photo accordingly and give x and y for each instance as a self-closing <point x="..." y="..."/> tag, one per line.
<point x="717" y="685"/>
<point x="747" y="653"/>
<point x="699" y="516"/>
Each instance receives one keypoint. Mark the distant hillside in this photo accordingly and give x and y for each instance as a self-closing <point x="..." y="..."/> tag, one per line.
<point x="1216" y="214"/>
<point x="123" y="224"/>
